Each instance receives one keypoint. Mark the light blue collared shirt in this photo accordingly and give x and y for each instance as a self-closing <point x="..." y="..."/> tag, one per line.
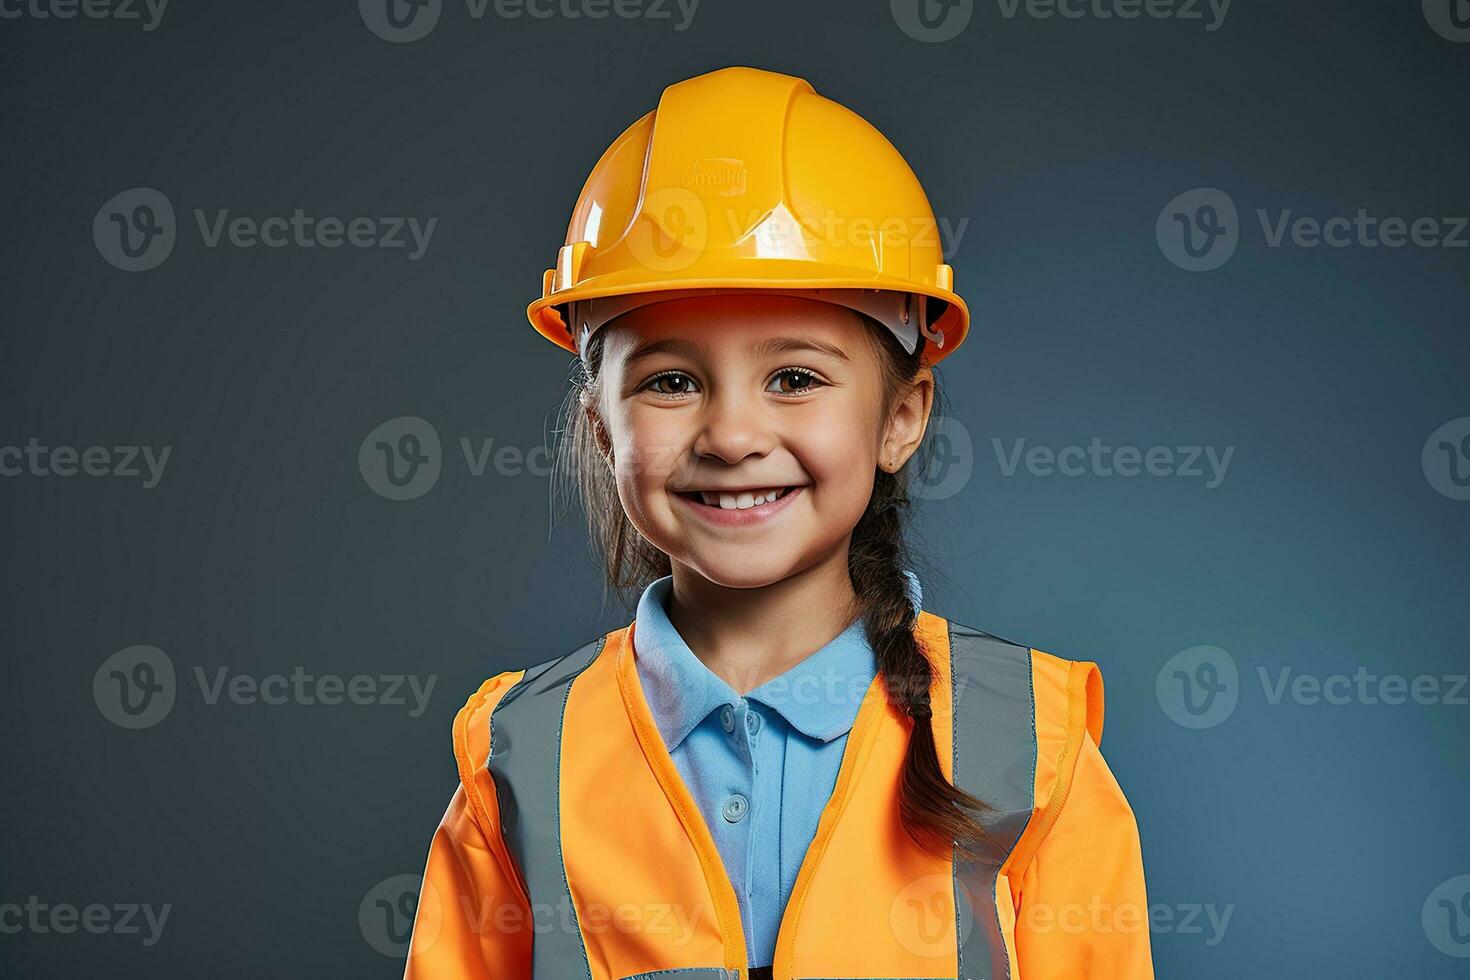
<point x="761" y="767"/>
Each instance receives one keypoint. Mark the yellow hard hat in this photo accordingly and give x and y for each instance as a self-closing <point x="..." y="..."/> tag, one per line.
<point x="748" y="179"/>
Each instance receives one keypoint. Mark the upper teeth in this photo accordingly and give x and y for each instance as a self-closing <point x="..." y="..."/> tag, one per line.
<point x="742" y="500"/>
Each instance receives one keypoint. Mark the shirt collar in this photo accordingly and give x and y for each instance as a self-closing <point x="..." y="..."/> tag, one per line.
<point x="819" y="696"/>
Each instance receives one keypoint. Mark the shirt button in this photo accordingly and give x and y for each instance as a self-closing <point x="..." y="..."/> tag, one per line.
<point x="727" y="718"/>
<point x="734" y="808"/>
<point x="752" y="722"/>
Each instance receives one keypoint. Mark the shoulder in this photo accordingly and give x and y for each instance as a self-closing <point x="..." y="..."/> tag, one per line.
<point x="472" y="724"/>
<point x="1065" y="705"/>
<point x="473" y="730"/>
<point x="1065" y="695"/>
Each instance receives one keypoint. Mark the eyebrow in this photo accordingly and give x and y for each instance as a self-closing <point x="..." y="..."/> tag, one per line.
<point x="761" y="348"/>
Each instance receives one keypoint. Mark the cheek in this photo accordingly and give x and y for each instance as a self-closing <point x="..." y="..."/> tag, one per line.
<point x="648" y="447"/>
<point x="840" y="455"/>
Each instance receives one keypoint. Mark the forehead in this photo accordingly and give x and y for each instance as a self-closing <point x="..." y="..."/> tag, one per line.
<point x="736" y="319"/>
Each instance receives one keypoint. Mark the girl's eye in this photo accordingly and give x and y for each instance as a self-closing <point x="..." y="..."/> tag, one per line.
<point x="677" y="384"/>
<point x="801" y="381"/>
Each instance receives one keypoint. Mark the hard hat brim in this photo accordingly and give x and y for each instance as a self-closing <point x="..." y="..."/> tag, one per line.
<point x="757" y="274"/>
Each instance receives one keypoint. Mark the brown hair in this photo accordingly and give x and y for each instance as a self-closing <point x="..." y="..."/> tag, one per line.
<point x="935" y="813"/>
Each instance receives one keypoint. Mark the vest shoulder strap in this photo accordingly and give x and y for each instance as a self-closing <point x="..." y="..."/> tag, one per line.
<point x="1069" y="707"/>
<point x="472" y="744"/>
<point x="473" y="734"/>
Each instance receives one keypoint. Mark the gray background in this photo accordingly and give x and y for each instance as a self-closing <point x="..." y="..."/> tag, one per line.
<point x="1322" y="829"/>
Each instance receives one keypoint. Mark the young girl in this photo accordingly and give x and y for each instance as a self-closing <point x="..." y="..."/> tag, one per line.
<point x="783" y="766"/>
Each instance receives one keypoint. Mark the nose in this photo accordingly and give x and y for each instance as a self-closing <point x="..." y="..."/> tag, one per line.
<point x="734" y="425"/>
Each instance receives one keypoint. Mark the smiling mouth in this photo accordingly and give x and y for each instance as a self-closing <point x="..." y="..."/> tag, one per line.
<point x="738" y="500"/>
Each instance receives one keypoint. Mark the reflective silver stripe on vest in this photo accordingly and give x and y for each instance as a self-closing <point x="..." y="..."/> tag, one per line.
<point x="525" y="762"/>
<point x="689" y="973"/>
<point x="995" y="759"/>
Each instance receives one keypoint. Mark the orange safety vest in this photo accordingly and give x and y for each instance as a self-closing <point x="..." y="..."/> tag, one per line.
<point x="573" y="849"/>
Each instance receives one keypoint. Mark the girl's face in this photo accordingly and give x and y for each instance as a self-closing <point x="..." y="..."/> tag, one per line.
<point x="742" y="397"/>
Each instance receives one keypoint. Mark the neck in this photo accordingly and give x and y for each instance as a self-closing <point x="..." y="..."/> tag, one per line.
<point x="746" y="636"/>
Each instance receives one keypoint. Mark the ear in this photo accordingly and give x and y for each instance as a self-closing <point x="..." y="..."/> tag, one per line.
<point x="907" y="422"/>
<point x="599" y="433"/>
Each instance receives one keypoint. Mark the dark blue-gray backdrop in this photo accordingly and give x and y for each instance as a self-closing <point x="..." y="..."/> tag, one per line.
<point x="1217" y="448"/>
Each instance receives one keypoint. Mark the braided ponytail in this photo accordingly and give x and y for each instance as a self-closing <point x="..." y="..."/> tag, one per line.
<point x="934" y="812"/>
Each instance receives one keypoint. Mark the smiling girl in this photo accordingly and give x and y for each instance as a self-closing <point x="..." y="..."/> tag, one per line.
<point x="783" y="766"/>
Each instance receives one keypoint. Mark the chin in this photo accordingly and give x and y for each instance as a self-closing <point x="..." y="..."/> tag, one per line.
<point x="739" y="570"/>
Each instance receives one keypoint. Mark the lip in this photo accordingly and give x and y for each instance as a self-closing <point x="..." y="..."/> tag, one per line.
<point x="758" y="514"/>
